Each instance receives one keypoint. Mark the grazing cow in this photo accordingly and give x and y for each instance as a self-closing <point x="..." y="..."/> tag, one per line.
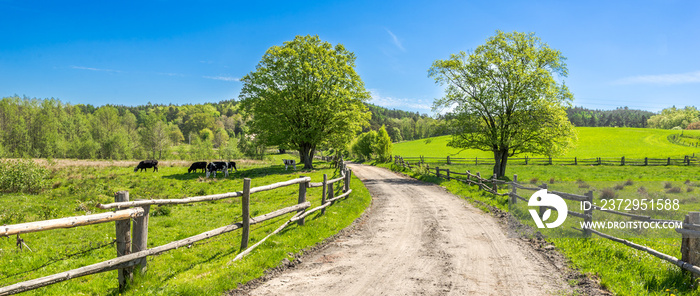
<point x="147" y="164"/>
<point x="232" y="165"/>
<point x="200" y="165"/>
<point x="289" y="162"/>
<point x="216" y="166"/>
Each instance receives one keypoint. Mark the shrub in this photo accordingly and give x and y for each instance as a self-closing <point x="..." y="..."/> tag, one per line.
<point x="534" y="181"/>
<point x="694" y="126"/>
<point x="551" y="180"/>
<point x="667" y="185"/>
<point x="619" y="187"/>
<point x="583" y="185"/>
<point x="22" y="176"/>
<point x="629" y="182"/>
<point x="161" y="211"/>
<point x="689" y="189"/>
<point x="608" y="193"/>
<point x="642" y="190"/>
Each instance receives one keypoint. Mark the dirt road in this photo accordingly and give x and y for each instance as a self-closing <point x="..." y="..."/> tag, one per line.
<point x="419" y="240"/>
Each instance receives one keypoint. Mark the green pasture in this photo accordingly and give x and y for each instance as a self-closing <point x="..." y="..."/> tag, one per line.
<point x="592" y="142"/>
<point x="622" y="270"/>
<point x="203" y="268"/>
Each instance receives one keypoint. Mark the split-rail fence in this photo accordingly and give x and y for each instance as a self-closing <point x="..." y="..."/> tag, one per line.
<point x="132" y="247"/>
<point x="687" y="160"/>
<point x="690" y="231"/>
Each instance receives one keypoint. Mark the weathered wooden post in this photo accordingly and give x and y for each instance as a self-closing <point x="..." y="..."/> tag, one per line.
<point x="348" y="175"/>
<point x="437" y="171"/>
<point x="542" y="208"/>
<point x="690" y="244"/>
<point x="478" y="178"/>
<point x="448" y="174"/>
<point x="526" y="160"/>
<point x="622" y="161"/>
<point x="469" y="177"/>
<point x="646" y="161"/>
<point x="448" y="160"/>
<point x="514" y="190"/>
<point x="324" y="192"/>
<point x="302" y="198"/>
<point x="589" y="213"/>
<point x="140" y="236"/>
<point x="550" y="160"/>
<point x="575" y="161"/>
<point x="331" y="192"/>
<point x="669" y="161"/>
<point x="494" y="184"/>
<point x="123" y="241"/>
<point x="476" y="161"/>
<point x="599" y="161"/>
<point x="245" y="211"/>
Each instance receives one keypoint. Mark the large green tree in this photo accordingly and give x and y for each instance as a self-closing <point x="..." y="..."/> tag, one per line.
<point x="304" y="94"/>
<point x="506" y="98"/>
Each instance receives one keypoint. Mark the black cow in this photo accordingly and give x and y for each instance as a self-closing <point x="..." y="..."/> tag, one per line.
<point x="216" y="166"/>
<point x="147" y="164"/>
<point x="232" y="165"/>
<point x="197" y="166"/>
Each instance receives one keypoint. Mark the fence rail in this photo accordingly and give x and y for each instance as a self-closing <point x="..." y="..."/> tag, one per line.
<point x="687" y="160"/>
<point x="138" y="210"/>
<point x="691" y="225"/>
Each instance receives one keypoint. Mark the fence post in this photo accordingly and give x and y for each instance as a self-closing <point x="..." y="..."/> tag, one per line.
<point x="690" y="244"/>
<point x="599" y="161"/>
<point x="476" y="161"/>
<point x="448" y="174"/>
<point x="478" y="178"/>
<point x="575" y="161"/>
<point x="646" y="161"/>
<point x="331" y="192"/>
<point x="589" y="213"/>
<point x="494" y="184"/>
<point x="550" y="160"/>
<point x="324" y="192"/>
<point x="448" y="160"/>
<point x="348" y="175"/>
<point x="123" y="238"/>
<point x="437" y="171"/>
<point x="542" y="209"/>
<point x="245" y="204"/>
<point x="469" y="179"/>
<point x="622" y="161"/>
<point x="302" y="198"/>
<point x="140" y="236"/>
<point x="525" y="160"/>
<point x="514" y="190"/>
<point x="669" y="161"/>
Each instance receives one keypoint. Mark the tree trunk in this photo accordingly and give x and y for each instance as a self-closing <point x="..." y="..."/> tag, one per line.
<point x="306" y="156"/>
<point x="501" y="158"/>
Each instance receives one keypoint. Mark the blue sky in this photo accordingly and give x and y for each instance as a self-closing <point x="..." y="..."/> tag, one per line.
<point x="641" y="54"/>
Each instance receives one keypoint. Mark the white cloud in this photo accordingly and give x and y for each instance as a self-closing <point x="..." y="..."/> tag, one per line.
<point x="664" y="79"/>
<point x="223" y="78"/>
<point x="401" y="104"/>
<point x="94" y="69"/>
<point x="395" y="40"/>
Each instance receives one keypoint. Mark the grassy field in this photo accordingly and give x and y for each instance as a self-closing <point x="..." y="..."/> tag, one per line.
<point x="621" y="269"/>
<point x="592" y="142"/>
<point x="200" y="269"/>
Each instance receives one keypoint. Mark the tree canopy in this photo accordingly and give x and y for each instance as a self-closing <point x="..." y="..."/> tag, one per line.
<point x="303" y="94"/>
<point x="504" y="98"/>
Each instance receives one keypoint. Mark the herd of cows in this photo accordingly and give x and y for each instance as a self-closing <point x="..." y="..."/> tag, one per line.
<point x="210" y="168"/>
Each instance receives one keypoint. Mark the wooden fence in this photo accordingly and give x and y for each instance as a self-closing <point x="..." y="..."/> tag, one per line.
<point x="690" y="231"/>
<point x="132" y="247"/>
<point x="688" y="160"/>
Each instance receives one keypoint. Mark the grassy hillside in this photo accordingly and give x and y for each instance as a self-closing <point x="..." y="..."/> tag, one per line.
<point x="592" y="142"/>
<point x="200" y="269"/>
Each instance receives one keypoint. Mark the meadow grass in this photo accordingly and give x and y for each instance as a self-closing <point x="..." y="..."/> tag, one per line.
<point x="622" y="270"/>
<point x="199" y="269"/>
<point x="592" y="142"/>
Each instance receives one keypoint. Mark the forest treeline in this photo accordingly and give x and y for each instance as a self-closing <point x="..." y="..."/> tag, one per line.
<point x="49" y="128"/>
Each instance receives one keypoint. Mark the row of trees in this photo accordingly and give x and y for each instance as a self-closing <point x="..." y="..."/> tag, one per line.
<point x="674" y="118"/>
<point x="620" y="117"/>
<point x="49" y="128"/>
